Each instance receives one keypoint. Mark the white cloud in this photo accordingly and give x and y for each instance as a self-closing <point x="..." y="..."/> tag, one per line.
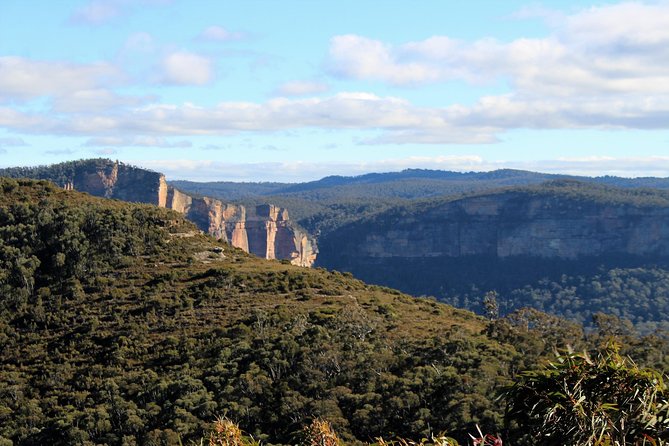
<point x="604" y="67"/>
<point x="295" y="171"/>
<point x="137" y="141"/>
<point x="615" y="49"/>
<point x="101" y="12"/>
<point x="620" y="27"/>
<point x="22" y="78"/>
<point x="597" y="165"/>
<point x="185" y="68"/>
<point x="292" y="171"/>
<point x="95" y="100"/>
<point x="398" y="120"/>
<point x="363" y="58"/>
<point x="301" y="88"/>
<point x="220" y="34"/>
<point x="11" y="118"/>
<point x="342" y="111"/>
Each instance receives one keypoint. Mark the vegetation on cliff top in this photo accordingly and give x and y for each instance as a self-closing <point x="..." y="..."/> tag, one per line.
<point x="60" y="173"/>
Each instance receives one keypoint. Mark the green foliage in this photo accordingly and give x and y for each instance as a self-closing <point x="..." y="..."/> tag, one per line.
<point x="117" y="330"/>
<point x="578" y="400"/>
<point x="60" y="174"/>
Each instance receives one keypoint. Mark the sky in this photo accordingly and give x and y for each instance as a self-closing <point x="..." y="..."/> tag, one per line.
<point x="295" y="90"/>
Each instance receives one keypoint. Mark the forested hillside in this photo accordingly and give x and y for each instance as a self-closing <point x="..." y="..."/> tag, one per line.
<point x="122" y="324"/>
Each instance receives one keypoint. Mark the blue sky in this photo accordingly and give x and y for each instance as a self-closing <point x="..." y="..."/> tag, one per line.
<point x="296" y="90"/>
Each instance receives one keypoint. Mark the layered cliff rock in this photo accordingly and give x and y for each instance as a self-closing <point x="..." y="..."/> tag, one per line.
<point x="565" y="220"/>
<point x="514" y="225"/>
<point x="265" y="231"/>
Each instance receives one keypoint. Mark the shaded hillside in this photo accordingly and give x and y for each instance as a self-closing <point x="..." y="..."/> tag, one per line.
<point x="262" y="229"/>
<point x="510" y="239"/>
<point x="122" y="324"/>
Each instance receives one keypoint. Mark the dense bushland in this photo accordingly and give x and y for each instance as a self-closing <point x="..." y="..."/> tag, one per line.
<point x="121" y="324"/>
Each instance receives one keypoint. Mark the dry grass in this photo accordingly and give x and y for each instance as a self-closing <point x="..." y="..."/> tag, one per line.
<point x="228" y="433"/>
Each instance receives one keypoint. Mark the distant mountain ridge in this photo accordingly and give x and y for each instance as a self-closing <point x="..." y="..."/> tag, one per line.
<point x="472" y="180"/>
<point x="324" y="205"/>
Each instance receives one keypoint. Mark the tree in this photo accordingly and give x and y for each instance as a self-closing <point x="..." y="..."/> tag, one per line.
<point x="491" y="306"/>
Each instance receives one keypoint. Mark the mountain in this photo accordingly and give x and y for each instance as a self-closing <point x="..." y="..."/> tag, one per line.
<point x="264" y="230"/>
<point x="562" y="219"/>
<point x="324" y="205"/>
<point x="458" y="248"/>
<point x="409" y="183"/>
<point x="123" y="324"/>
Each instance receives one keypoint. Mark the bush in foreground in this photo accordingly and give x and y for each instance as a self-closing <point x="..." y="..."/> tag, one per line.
<point x="578" y="400"/>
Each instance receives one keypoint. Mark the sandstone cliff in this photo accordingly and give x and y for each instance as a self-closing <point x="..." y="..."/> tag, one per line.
<point x="533" y="222"/>
<point x="503" y="239"/>
<point x="265" y="231"/>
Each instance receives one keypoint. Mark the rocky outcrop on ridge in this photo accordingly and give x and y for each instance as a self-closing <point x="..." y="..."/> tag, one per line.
<point x="265" y="230"/>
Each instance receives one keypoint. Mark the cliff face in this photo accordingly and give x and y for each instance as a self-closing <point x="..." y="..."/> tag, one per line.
<point x="515" y="224"/>
<point x="117" y="180"/>
<point x="265" y="231"/>
<point x="502" y="240"/>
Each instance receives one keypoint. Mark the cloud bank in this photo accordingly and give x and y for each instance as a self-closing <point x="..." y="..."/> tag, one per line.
<point x="604" y="67"/>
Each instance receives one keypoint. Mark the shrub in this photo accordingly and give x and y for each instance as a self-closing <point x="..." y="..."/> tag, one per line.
<point x="577" y="400"/>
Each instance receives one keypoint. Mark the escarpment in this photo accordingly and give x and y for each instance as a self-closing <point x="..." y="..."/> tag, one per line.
<point x="501" y="238"/>
<point x="265" y="231"/>
<point x="509" y="224"/>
